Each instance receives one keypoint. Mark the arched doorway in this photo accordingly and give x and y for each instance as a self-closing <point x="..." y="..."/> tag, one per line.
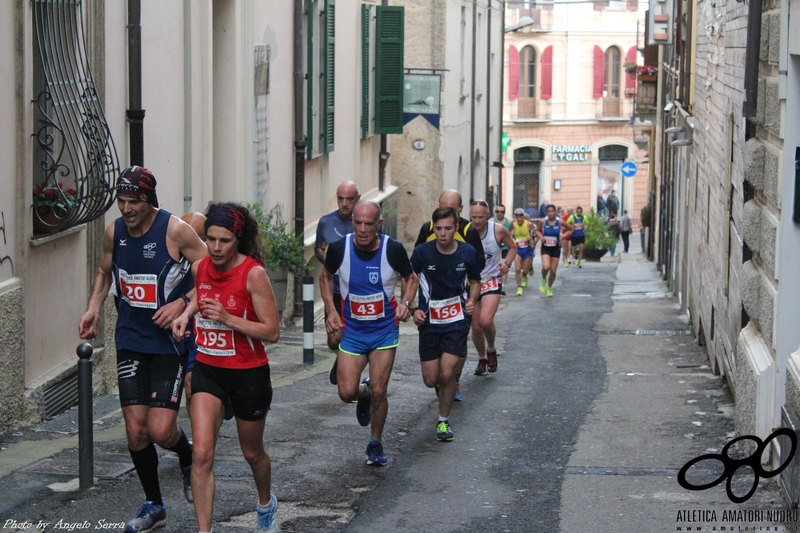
<point x="527" y="171"/>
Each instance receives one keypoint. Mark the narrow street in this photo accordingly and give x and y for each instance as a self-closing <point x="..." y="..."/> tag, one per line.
<point x="592" y="412"/>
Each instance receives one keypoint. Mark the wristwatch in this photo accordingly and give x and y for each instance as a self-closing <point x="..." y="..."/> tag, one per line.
<point x="411" y="309"/>
<point x="186" y="300"/>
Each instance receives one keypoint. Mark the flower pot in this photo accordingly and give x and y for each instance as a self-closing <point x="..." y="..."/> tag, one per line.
<point x="647" y="78"/>
<point x="594" y="254"/>
<point x="46" y="220"/>
<point x="279" y="279"/>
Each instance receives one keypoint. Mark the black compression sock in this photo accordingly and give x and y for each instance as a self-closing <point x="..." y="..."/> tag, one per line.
<point x="183" y="449"/>
<point x="146" y="463"/>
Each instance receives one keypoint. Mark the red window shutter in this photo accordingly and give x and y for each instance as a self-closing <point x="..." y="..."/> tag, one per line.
<point x="513" y="72"/>
<point x="599" y="71"/>
<point x="547" y="73"/>
<point x="630" y="79"/>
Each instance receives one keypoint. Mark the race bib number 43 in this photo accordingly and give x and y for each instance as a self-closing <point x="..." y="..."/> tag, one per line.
<point x="213" y="338"/>
<point x="446" y="311"/>
<point x="139" y="290"/>
<point x="368" y="307"/>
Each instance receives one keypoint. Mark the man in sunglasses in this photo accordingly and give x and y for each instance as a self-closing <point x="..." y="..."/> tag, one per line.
<point x="483" y="328"/>
<point x="522" y="230"/>
<point x="500" y="218"/>
<point x="465" y="233"/>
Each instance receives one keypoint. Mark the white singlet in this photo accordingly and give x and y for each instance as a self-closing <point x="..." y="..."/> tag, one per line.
<point x="492" y="252"/>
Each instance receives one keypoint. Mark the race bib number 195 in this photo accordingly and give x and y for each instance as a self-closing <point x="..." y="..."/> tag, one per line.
<point x="366" y="307"/>
<point x="213" y="338"/>
<point x="139" y="290"/>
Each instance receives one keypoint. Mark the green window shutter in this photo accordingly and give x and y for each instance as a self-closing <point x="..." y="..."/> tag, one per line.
<point x="310" y="80"/>
<point x="389" y="43"/>
<point x="329" y="60"/>
<point x="364" y="71"/>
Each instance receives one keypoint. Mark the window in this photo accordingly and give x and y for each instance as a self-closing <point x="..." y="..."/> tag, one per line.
<point x="612" y="73"/>
<point x="320" y="76"/>
<point x="527" y="78"/>
<point x="75" y="156"/>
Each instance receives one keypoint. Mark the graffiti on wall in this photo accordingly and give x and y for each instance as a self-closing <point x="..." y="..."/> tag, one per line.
<point x="5" y="260"/>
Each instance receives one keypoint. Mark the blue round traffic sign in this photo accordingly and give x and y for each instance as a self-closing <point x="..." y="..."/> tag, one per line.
<point x="628" y="169"/>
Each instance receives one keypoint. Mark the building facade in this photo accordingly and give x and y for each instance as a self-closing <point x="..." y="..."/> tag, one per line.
<point x="217" y="111"/>
<point x="569" y="105"/>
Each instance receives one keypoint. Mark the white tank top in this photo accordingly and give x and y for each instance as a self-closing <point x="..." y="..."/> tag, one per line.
<point x="492" y="252"/>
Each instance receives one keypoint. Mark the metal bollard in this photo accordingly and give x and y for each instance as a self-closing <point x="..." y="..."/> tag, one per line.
<point x="308" y="320"/>
<point x="85" y="429"/>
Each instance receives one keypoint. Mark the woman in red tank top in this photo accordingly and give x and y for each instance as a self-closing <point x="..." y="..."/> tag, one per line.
<point x="234" y="314"/>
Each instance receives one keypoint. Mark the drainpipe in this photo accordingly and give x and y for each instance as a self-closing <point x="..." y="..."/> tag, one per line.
<point x="501" y="74"/>
<point x="299" y="145"/>
<point x="188" y="155"/>
<point x="472" y="95"/>
<point x="488" y="91"/>
<point x="135" y="112"/>
<point x="383" y="159"/>
<point x="751" y="59"/>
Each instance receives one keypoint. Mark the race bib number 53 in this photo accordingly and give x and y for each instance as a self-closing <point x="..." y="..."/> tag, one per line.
<point x="488" y="285"/>
<point x="368" y="307"/>
<point x="213" y="338"/>
<point x="139" y="290"/>
<point x="446" y="311"/>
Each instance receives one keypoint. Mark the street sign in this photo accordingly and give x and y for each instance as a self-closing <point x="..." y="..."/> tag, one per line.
<point x="628" y="169"/>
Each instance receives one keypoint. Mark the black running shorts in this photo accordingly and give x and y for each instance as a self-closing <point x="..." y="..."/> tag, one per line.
<point x="552" y="251"/>
<point x="149" y="379"/>
<point x="433" y="344"/>
<point x="249" y="389"/>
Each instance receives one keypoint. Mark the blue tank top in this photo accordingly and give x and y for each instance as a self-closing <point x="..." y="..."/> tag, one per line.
<point x="551" y="232"/>
<point x="578" y="222"/>
<point x="367" y="289"/>
<point x="145" y="277"/>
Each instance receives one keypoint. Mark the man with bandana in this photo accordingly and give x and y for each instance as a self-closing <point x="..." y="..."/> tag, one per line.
<point x="147" y="253"/>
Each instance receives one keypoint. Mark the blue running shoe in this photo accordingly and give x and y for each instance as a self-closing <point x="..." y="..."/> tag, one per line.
<point x="458" y="393"/>
<point x="362" y="406"/>
<point x="186" y="474"/>
<point x="149" y="517"/>
<point x="266" y="519"/>
<point x="375" y="454"/>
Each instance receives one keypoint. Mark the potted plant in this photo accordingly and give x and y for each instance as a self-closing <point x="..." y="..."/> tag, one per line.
<point x="51" y="205"/>
<point x="630" y="67"/>
<point x="283" y="251"/>
<point x="647" y="72"/>
<point x="598" y="238"/>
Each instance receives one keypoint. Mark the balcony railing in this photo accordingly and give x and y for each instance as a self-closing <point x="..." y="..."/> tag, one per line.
<point x="530" y="109"/>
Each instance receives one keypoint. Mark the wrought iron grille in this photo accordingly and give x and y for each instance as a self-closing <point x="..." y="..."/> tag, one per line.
<point x="76" y="161"/>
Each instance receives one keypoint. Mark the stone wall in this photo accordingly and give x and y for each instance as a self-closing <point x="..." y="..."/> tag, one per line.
<point x="12" y="357"/>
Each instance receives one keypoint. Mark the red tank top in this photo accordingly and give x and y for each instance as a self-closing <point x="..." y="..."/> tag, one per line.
<point x="217" y="344"/>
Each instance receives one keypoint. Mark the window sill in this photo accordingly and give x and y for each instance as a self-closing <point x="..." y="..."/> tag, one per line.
<point x="56" y="236"/>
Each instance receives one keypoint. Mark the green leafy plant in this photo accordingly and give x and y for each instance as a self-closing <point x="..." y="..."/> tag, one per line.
<point x="630" y="67"/>
<point x="598" y="236"/>
<point x="646" y="216"/>
<point x="55" y="197"/>
<point x="280" y="248"/>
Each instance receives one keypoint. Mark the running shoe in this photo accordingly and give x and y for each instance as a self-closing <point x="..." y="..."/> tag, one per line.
<point x="502" y="291"/>
<point x="549" y="291"/>
<point x="375" y="454"/>
<point x="567" y="264"/>
<point x="266" y="519"/>
<point x="149" y="517"/>
<point x="332" y="373"/>
<point x="362" y="406"/>
<point x="519" y="291"/>
<point x="458" y="393"/>
<point x="543" y="285"/>
<point x="186" y="474"/>
<point x="524" y="280"/>
<point x="491" y="356"/>
<point x="480" y="370"/>
<point x="443" y="431"/>
<point x="579" y="265"/>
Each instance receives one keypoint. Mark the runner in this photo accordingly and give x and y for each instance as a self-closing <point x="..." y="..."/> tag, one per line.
<point x="235" y="314"/>
<point x="368" y="264"/>
<point x="483" y="329"/>
<point x="549" y="232"/>
<point x="331" y="228"/>
<point x="500" y="218"/>
<point x="578" y="236"/>
<point x="522" y="230"/>
<point x="466" y="233"/>
<point x="443" y="266"/>
<point x="197" y="221"/>
<point x="565" y="236"/>
<point x="147" y="253"/>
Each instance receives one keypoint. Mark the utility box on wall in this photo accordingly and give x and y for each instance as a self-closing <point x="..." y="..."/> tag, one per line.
<point x="659" y="20"/>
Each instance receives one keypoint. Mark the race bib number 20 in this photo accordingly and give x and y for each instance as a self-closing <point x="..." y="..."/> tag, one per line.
<point x="368" y="307"/>
<point x="139" y="290"/>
